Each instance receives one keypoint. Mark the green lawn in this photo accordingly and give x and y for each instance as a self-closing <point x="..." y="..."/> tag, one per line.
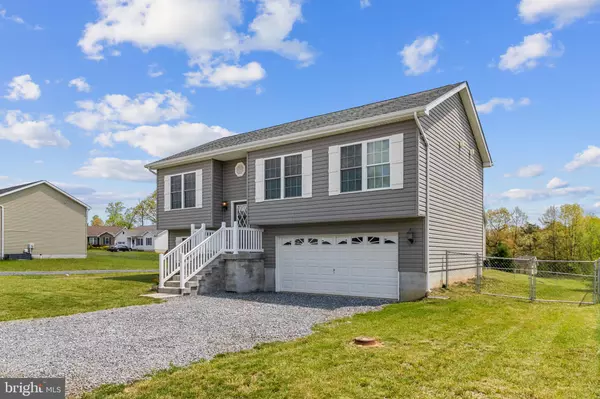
<point x="24" y="297"/>
<point x="470" y="346"/>
<point x="566" y="289"/>
<point x="96" y="260"/>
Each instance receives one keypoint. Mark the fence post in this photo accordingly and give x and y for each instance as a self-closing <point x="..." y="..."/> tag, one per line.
<point x="478" y="278"/>
<point x="597" y="282"/>
<point x="532" y="271"/>
<point x="447" y="269"/>
<point x="236" y="232"/>
<point x="161" y="270"/>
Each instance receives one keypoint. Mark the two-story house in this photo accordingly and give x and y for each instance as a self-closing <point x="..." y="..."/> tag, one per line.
<point x="364" y="201"/>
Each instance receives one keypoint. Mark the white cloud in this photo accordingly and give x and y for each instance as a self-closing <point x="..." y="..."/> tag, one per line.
<point x="23" y="88"/>
<point x="534" y="195"/>
<point x="419" y="57"/>
<point x="223" y="76"/>
<point x="3" y="177"/>
<point x="80" y="84"/>
<point x="154" y="71"/>
<point x="597" y="205"/>
<point x="21" y="127"/>
<point x="14" y="18"/>
<point x="38" y="162"/>
<point x="588" y="157"/>
<point x="556" y="182"/>
<point x="561" y="12"/>
<point x="205" y="29"/>
<point x="116" y="169"/>
<point x="508" y="104"/>
<point x="529" y="52"/>
<point x="116" y="111"/>
<point x="365" y="3"/>
<point x="163" y="140"/>
<point x="527" y="171"/>
<point x="90" y="196"/>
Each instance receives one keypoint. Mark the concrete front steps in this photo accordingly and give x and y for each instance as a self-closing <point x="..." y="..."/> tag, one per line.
<point x="210" y="279"/>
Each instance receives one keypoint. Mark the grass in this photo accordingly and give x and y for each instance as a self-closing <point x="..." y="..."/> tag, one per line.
<point x="24" y="297"/>
<point x="96" y="260"/>
<point x="566" y="289"/>
<point x="470" y="346"/>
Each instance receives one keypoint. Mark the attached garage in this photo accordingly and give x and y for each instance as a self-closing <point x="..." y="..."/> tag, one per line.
<point x="362" y="264"/>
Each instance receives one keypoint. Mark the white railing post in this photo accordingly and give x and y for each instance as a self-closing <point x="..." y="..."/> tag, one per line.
<point x="236" y="232"/>
<point x="161" y="271"/>
<point x="192" y="229"/>
<point x="223" y="236"/>
<point x="203" y="228"/>
<point x="182" y="272"/>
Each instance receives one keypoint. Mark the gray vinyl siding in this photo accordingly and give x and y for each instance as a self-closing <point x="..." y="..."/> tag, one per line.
<point x="410" y="256"/>
<point x="217" y="192"/>
<point x="321" y="207"/>
<point x="183" y="218"/>
<point x="173" y="234"/>
<point x="234" y="188"/>
<point x="456" y="184"/>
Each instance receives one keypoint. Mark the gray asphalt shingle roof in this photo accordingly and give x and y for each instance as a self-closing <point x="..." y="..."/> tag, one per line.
<point x="351" y="114"/>
<point x="13" y="188"/>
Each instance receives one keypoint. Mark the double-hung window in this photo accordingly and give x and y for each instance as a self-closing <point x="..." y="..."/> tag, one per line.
<point x="378" y="164"/>
<point x="351" y="168"/>
<point x="283" y="177"/>
<point x="365" y="166"/>
<point x="148" y="241"/>
<point x="182" y="190"/>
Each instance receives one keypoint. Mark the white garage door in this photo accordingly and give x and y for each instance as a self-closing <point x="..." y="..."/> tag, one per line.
<point x="351" y="264"/>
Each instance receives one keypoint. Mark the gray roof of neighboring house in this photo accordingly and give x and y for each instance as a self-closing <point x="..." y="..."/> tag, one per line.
<point x="403" y="103"/>
<point x="13" y="188"/>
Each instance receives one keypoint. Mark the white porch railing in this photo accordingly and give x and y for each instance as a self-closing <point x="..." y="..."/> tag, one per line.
<point x="191" y="256"/>
<point x="170" y="263"/>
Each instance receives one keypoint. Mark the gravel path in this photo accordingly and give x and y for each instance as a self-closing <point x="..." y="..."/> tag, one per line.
<point x="124" y="344"/>
<point x="61" y="272"/>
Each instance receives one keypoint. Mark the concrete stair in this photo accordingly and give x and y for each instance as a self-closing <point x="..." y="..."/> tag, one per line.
<point x="209" y="280"/>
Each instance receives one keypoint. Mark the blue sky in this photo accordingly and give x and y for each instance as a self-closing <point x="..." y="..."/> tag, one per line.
<point x="92" y="90"/>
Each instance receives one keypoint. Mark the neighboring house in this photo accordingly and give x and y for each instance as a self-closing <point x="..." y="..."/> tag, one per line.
<point x="148" y="238"/>
<point x="44" y="218"/>
<point x="364" y="201"/>
<point x="98" y="236"/>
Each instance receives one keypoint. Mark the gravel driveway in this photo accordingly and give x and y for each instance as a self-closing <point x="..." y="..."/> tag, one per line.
<point x="121" y="345"/>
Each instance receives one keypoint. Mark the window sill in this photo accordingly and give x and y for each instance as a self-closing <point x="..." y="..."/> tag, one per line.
<point x="284" y="199"/>
<point x="184" y="209"/>
<point x="366" y="191"/>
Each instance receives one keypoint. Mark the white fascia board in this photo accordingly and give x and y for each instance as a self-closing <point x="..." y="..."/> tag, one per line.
<point x="295" y="137"/>
<point x="473" y="117"/>
<point x="51" y="186"/>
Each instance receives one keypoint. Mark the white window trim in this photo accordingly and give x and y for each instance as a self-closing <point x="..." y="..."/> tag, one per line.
<point x="282" y="177"/>
<point x="198" y="191"/>
<point x="364" y="166"/>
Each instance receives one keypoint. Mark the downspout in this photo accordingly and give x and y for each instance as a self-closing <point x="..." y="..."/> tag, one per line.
<point x="426" y="141"/>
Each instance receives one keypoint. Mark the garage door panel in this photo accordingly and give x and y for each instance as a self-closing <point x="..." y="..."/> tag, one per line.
<point x="356" y="264"/>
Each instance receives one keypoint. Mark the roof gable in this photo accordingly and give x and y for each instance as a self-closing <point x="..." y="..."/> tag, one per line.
<point x="14" y="189"/>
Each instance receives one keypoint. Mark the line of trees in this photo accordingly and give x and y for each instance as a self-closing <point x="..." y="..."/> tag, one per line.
<point x="118" y="214"/>
<point x="566" y="232"/>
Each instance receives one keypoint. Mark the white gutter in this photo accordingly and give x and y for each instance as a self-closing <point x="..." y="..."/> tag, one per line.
<point x="2" y="236"/>
<point x="426" y="235"/>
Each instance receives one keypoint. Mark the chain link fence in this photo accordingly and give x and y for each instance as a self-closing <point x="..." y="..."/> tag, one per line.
<point x="527" y="277"/>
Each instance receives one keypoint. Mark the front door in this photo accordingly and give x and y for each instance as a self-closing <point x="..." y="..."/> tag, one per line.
<point x="240" y="213"/>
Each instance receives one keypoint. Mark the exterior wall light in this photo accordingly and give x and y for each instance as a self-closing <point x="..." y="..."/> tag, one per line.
<point x="410" y="236"/>
<point x="224" y="205"/>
